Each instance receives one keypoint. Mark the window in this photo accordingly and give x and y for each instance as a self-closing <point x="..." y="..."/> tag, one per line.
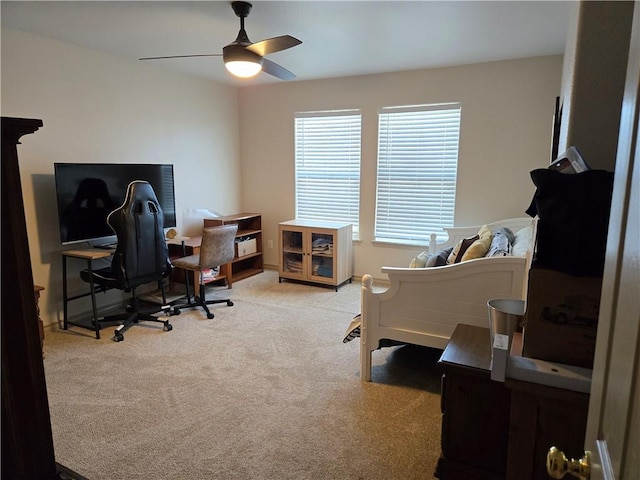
<point x="417" y="167"/>
<point x="327" y="151"/>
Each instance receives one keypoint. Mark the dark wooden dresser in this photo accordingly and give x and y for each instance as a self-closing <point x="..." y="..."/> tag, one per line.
<point x="493" y="430"/>
<point x="475" y="410"/>
<point x="27" y="440"/>
<point x="542" y="417"/>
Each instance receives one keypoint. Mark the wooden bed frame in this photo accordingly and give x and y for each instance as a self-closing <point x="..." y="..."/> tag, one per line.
<point x="422" y="306"/>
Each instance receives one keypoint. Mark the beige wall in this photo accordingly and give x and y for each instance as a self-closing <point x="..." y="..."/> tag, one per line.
<point x="99" y="108"/>
<point x="507" y="111"/>
<point x="233" y="148"/>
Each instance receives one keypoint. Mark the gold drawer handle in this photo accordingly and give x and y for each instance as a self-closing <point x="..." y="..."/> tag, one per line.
<point x="558" y="465"/>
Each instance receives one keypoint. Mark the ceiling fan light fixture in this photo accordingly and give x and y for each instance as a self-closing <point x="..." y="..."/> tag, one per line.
<point x="243" y="68"/>
<point x="241" y="62"/>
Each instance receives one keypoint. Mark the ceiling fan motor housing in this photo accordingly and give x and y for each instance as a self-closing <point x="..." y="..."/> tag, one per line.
<point x="239" y="53"/>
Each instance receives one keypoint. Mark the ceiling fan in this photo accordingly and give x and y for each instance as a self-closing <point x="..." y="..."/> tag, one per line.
<point x="246" y="59"/>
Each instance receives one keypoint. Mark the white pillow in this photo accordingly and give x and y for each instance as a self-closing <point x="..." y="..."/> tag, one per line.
<point x="420" y="261"/>
<point x="523" y="242"/>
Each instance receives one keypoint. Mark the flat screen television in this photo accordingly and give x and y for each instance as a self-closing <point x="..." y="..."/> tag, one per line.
<point x="87" y="192"/>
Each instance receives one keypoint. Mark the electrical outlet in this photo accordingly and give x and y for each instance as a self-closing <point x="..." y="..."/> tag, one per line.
<point x="270" y="244"/>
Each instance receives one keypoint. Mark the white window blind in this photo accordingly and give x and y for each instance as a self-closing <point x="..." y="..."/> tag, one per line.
<point x="417" y="168"/>
<point x="327" y="156"/>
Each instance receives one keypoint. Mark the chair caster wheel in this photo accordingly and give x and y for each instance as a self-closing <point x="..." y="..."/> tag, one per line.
<point x="168" y="327"/>
<point x="176" y="311"/>
<point x="210" y="316"/>
<point x="229" y="303"/>
<point x="118" y="337"/>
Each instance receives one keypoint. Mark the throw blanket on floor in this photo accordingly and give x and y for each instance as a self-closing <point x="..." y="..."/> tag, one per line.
<point x="353" y="331"/>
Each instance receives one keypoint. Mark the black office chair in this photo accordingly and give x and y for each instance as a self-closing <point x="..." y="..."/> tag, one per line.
<point x="217" y="248"/>
<point x="141" y="257"/>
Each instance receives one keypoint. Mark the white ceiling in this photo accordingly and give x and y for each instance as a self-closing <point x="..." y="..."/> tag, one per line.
<point x="339" y="38"/>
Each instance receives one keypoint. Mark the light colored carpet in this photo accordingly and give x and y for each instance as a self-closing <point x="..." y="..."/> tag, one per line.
<point x="265" y="390"/>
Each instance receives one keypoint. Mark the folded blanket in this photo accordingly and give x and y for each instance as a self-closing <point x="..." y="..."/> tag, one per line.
<point x="502" y="242"/>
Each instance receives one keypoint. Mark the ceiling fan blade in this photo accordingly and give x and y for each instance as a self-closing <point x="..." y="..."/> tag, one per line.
<point x="276" y="70"/>
<point x="183" y="56"/>
<point x="275" y="44"/>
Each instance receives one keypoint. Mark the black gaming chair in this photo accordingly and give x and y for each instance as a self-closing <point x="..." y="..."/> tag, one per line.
<point x="141" y="256"/>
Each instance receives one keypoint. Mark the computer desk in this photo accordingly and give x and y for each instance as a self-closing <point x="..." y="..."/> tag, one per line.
<point x="89" y="255"/>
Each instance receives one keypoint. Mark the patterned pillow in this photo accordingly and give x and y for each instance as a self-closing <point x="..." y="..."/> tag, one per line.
<point x="501" y="243"/>
<point x="460" y="248"/>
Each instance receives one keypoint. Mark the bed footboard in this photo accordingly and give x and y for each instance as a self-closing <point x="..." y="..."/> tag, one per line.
<point x="423" y="306"/>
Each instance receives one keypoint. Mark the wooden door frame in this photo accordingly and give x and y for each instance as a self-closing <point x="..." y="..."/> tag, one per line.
<point x="614" y="410"/>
